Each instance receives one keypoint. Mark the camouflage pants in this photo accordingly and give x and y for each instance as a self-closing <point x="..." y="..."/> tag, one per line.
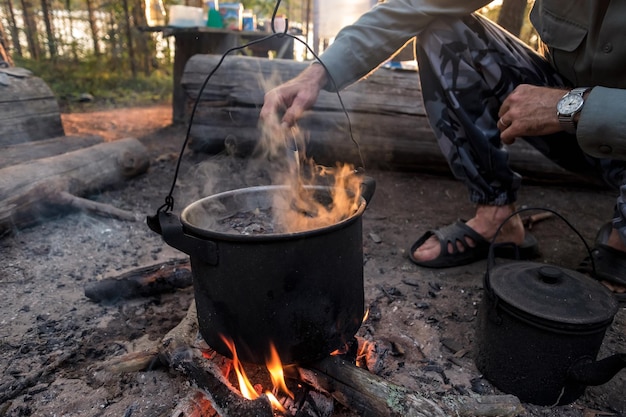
<point x="467" y="67"/>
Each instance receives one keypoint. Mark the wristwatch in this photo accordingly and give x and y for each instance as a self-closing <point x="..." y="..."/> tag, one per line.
<point x="569" y="106"/>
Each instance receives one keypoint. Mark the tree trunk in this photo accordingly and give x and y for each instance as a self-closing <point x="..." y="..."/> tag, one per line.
<point x="33" y="190"/>
<point x="31" y="30"/>
<point x="129" y="39"/>
<point x="70" y="28"/>
<point x="145" y="46"/>
<point x="51" y="40"/>
<point x="93" y="27"/>
<point x="17" y="48"/>
<point x="512" y="14"/>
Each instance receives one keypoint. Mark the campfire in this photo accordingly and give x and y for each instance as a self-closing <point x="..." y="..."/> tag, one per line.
<point x="229" y="387"/>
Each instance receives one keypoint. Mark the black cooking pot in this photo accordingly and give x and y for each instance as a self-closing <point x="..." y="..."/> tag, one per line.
<point x="539" y="330"/>
<point x="301" y="291"/>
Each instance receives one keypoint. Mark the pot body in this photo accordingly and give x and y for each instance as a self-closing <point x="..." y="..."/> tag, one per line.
<point x="304" y="295"/>
<point x="302" y="292"/>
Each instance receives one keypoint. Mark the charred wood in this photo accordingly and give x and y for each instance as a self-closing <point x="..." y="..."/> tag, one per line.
<point x="142" y="282"/>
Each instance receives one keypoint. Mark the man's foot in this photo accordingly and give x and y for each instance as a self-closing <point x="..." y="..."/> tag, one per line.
<point x="485" y="223"/>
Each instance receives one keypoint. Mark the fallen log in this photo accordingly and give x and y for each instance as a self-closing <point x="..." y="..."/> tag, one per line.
<point x="142" y="282"/>
<point x="33" y="190"/>
<point x="28" y="151"/>
<point x="386" y="118"/>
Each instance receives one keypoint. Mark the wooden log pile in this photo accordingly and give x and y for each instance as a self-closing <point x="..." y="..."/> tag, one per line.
<point x="42" y="171"/>
<point x="386" y="118"/>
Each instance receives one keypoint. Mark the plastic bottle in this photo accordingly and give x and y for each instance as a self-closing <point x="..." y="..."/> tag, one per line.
<point x="214" y="18"/>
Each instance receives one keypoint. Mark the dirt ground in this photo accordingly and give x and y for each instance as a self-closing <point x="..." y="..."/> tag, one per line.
<point x="55" y="338"/>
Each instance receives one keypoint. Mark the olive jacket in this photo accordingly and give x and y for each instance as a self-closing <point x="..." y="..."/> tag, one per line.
<point x="585" y="40"/>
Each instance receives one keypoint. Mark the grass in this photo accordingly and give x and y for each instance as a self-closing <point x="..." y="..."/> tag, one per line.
<point x="91" y="84"/>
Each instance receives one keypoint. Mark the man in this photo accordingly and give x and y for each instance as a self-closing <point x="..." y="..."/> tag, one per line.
<point x="481" y="88"/>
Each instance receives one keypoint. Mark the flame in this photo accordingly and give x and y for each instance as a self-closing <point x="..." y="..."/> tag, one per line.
<point x="277" y="375"/>
<point x="245" y="386"/>
<point x="301" y="208"/>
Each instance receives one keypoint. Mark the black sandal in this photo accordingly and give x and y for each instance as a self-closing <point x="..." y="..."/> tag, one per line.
<point x="457" y="235"/>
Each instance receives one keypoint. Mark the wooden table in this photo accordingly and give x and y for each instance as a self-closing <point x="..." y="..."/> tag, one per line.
<point x="206" y="40"/>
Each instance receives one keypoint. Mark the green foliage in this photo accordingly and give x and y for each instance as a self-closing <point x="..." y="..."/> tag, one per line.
<point x="70" y="80"/>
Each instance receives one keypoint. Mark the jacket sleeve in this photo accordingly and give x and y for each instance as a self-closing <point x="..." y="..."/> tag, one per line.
<point x="376" y="35"/>
<point x="601" y="128"/>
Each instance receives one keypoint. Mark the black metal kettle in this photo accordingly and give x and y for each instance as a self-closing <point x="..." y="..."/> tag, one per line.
<point x="540" y="328"/>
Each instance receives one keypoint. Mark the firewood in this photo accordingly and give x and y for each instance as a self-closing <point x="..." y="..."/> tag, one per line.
<point x="142" y="282"/>
<point x="33" y="190"/>
<point x="176" y="352"/>
<point x="366" y="393"/>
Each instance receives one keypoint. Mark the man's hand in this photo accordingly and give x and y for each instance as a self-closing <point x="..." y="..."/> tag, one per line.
<point x="294" y="96"/>
<point x="529" y="111"/>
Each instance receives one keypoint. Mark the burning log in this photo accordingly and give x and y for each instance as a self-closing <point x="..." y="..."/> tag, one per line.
<point x="142" y="282"/>
<point x="34" y="189"/>
<point x="177" y="353"/>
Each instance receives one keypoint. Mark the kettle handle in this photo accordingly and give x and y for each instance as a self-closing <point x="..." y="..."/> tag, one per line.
<point x="170" y="227"/>
<point x="493" y="245"/>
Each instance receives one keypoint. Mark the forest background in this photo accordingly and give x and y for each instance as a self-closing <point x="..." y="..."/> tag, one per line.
<point x="94" y="53"/>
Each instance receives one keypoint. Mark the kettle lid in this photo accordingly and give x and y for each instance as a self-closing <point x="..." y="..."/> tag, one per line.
<point x="552" y="293"/>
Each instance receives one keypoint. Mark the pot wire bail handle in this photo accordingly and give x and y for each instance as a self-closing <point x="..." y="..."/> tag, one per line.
<point x="493" y="244"/>
<point x="168" y="206"/>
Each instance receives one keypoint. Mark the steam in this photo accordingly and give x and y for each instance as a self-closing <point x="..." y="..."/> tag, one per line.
<point x="308" y="196"/>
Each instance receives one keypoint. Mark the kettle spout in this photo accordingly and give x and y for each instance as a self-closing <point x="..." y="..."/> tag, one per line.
<point x="588" y="372"/>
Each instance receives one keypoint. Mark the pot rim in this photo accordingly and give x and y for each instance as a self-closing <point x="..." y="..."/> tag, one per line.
<point x="216" y="235"/>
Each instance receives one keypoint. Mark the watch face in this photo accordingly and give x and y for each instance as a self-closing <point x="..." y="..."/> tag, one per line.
<point x="569" y="104"/>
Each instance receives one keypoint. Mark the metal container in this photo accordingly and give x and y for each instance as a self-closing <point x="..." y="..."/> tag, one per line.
<point x="540" y="328"/>
<point x="301" y="291"/>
